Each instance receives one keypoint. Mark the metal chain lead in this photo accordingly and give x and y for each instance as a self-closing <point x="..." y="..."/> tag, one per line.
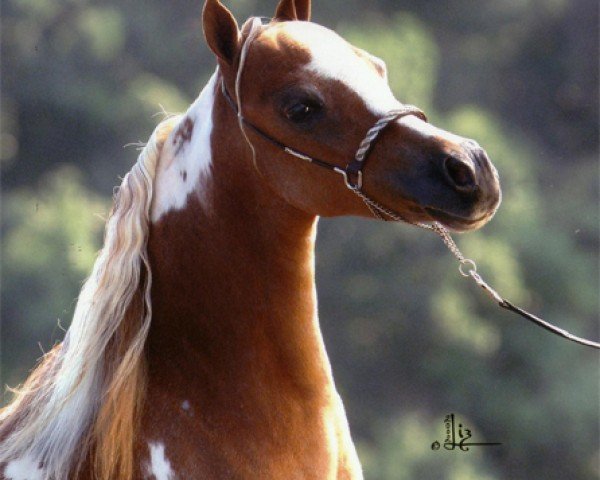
<point x="468" y="268"/>
<point x="382" y="212"/>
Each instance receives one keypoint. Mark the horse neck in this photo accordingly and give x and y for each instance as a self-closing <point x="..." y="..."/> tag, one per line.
<point x="233" y="283"/>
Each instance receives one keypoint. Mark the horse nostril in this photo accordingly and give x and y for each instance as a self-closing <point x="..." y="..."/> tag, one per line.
<point x="460" y="174"/>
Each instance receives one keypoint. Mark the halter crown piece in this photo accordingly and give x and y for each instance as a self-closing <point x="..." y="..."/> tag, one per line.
<point x="353" y="179"/>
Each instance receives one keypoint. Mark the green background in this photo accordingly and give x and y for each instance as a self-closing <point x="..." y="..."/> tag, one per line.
<point x="409" y="339"/>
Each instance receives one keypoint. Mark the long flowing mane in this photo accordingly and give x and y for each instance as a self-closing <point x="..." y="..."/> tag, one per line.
<point x="85" y="395"/>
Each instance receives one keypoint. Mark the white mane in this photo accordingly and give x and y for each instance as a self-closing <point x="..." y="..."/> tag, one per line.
<point x="51" y="418"/>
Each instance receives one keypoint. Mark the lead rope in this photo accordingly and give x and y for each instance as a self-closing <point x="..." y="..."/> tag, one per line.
<point x="468" y="268"/>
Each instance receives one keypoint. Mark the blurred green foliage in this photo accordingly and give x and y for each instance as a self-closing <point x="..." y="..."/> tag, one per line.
<point x="410" y="52"/>
<point x="50" y="238"/>
<point x="409" y="339"/>
<point x="404" y="451"/>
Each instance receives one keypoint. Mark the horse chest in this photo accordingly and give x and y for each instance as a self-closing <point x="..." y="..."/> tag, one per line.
<point x="241" y="440"/>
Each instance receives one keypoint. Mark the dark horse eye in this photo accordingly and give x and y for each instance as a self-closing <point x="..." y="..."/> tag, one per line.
<point x="301" y="111"/>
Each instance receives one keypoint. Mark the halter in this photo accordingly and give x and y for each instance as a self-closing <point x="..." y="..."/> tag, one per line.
<point x="353" y="172"/>
<point x="353" y="179"/>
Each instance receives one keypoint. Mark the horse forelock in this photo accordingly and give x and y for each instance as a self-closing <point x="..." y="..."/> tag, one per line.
<point x="84" y="396"/>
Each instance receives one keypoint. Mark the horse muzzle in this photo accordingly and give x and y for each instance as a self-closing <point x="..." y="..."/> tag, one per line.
<point x="469" y="186"/>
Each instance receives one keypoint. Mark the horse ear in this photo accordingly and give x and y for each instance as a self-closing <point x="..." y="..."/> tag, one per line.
<point x="221" y="30"/>
<point x="303" y="10"/>
<point x="286" y="10"/>
<point x="377" y="62"/>
<point x="293" y="10"/>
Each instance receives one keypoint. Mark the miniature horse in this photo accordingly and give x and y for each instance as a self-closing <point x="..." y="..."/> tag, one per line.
<point x="195" y="350"/>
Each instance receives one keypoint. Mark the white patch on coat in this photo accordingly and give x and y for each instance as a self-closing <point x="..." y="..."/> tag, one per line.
<point x="185" y="163"/>
<point x="24" y="468"/>
<point x="158" y="467"/>
<point x="185" y="405"/>
<point x="427" y="131"/>
<point x="334" y="58"/>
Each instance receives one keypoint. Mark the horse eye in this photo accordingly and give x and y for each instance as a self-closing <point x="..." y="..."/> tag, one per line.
<point x="301" y="111"/>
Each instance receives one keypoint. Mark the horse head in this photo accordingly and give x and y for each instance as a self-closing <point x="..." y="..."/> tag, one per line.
<point x="302" y="87"/>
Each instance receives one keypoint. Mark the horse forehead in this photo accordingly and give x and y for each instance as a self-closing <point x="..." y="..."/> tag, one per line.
<point x="330" y="57"/>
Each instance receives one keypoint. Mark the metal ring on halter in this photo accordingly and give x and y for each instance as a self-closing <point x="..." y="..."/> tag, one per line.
<point x="468" y="263"/>
<point x="357" y="164"/>
<point x="353" y="186"/>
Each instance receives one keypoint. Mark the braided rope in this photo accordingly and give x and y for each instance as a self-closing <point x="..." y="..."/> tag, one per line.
<point x="383" y="122"/>
<point x="256" y="22"/>
<point x="376" y="208"/>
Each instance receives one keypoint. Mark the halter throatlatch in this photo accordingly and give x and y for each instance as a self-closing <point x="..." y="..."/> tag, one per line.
<point x="353" y="179"/>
